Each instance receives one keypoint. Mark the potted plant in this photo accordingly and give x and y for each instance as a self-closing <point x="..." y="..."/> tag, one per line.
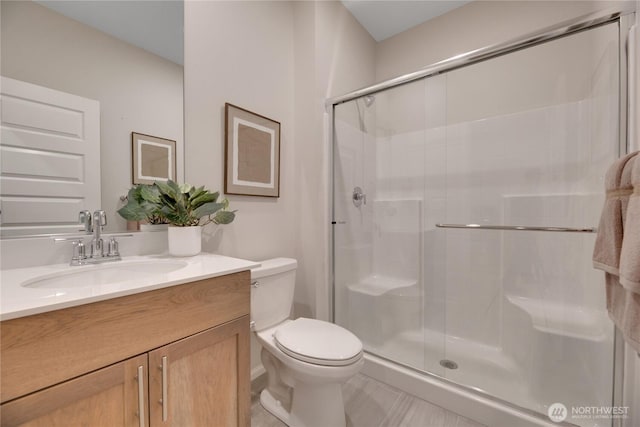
<point x="186" y="209"/>
<point x="142" y="206"/>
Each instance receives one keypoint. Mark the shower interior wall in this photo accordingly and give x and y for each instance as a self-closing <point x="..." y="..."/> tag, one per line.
<point x="500" y="142"/>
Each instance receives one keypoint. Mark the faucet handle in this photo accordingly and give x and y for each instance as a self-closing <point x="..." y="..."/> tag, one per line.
<point x="79" y="252"/>
<point x="113" y="248"/>
<point x="84" y="217"/>
<point x="358" y="197"/>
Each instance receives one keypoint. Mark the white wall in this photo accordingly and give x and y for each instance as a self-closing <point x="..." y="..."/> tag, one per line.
<point x="138" y="91"/>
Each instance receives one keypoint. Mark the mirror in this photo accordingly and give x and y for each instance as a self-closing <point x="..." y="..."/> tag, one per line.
<point x="127" y="56"/>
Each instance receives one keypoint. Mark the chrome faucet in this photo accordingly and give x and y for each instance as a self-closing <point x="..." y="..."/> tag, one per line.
<point x="97" y="245"/>
<point x="85" y="219"/>
<point x="93" y="225"/>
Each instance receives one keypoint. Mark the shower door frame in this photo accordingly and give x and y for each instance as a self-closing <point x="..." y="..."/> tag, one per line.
<point x="625" y="18"/>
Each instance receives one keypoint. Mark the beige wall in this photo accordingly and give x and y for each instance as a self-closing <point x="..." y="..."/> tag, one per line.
<point x="473" y="26"/>
<point x="138" y="91"/>
<point x="279" y="59"/>
<point x="334" y="54"/>
<point x="241" y="53"/>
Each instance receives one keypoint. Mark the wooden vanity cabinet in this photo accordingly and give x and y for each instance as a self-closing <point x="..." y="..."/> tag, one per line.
<point x="197" y="375"/>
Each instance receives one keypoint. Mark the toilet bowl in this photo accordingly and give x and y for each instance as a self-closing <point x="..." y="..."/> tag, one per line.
<point x="306" y="360"/>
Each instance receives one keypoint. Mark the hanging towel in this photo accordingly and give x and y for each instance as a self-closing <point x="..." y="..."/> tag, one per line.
<point x="614" y="233"/>
<point x="608" y="246"/>
<point x="630" y="254"/>
<point x="624" y="310"/>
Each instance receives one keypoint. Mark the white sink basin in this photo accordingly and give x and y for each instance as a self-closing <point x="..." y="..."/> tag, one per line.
<point x="104" y="274"/>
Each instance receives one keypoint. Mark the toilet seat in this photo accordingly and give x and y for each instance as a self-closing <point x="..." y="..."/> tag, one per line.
<point x="318" y="342"/>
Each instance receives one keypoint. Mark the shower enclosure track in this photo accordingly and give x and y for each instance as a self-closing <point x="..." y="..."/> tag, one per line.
<point x="518" y="228"/>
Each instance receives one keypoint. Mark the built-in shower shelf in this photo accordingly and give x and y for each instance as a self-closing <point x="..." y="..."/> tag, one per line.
<point x="561" y="319"/>
<point x="376" y="285"/>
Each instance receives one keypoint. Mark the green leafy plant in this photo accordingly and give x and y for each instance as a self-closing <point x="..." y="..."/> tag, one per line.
<point x="143" y="205"/>
<point x="179" y="205"/>
<point x="185" y="205"/>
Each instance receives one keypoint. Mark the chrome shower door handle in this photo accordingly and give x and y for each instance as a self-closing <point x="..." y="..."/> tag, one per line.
<point x="358" y="197"/>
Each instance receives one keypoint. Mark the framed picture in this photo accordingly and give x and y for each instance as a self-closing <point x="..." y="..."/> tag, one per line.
<point x="252" y="153"/>
<point x="154" y="158"/>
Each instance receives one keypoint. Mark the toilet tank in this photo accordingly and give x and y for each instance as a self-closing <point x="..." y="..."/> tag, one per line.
<point x="272" y="291"/>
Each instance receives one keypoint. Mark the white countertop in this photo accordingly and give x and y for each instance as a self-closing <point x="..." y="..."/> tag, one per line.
<point x="18" y="301"/>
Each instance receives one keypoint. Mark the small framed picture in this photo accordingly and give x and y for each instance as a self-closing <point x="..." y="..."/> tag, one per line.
<point x="252" y="153"/>
<point x="154" y="158"/>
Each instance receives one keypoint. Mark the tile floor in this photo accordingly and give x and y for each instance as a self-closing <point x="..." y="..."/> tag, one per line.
<point x="370" y="403"/>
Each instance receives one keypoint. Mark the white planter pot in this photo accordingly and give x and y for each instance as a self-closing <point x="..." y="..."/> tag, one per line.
<point x="185" y="241"/>
<point x="154" y="227"/>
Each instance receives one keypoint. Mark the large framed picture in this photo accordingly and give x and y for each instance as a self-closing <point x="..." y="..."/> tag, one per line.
<point x="154" y="158"/>
<point x="252" y="153"/>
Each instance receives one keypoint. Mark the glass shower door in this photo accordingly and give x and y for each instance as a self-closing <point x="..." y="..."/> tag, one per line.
<point x="522" y="139"/>
<point x="383" y="145"/>
<point x="529" y="137"/>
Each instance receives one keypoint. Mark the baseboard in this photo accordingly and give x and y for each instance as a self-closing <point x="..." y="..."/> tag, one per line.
<point x="257" y="371"/>
<point x="258" y="381"/>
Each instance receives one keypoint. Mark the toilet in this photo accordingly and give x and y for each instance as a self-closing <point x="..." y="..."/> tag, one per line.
<point x="306" y="360"/>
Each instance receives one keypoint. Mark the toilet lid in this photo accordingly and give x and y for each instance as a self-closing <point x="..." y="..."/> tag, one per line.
<point x="318" y="342"/>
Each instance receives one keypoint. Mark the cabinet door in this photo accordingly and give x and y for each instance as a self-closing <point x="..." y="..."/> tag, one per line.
<point x="202" y="380"/>
<point x="108" y="397"/>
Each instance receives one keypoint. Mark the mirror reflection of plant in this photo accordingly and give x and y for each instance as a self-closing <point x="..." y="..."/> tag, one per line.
<point x="179" y="205"/>
<point x="143" y="205"/>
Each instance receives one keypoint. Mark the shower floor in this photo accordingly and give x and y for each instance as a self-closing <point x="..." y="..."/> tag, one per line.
<point x="479" y="366"/>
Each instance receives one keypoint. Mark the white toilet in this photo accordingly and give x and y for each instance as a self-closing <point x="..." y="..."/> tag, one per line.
<point x="307" y="360"/>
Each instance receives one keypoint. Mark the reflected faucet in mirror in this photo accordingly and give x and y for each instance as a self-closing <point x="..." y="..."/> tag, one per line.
<point x="85" y="219"/>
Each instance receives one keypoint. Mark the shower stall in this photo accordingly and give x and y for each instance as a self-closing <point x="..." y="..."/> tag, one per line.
<point x="465" y="201"/>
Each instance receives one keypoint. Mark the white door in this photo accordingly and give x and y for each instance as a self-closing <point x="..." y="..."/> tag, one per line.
<point x="50" y="159"/>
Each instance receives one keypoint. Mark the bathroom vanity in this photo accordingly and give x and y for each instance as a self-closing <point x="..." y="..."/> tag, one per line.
<point x="172" y="351"/>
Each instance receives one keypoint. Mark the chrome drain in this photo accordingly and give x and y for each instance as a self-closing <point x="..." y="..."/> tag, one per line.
<point x="449" y="364"/>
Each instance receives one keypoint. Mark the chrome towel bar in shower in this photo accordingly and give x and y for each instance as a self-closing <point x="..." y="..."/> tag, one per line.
<point x="518" y="228"/>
